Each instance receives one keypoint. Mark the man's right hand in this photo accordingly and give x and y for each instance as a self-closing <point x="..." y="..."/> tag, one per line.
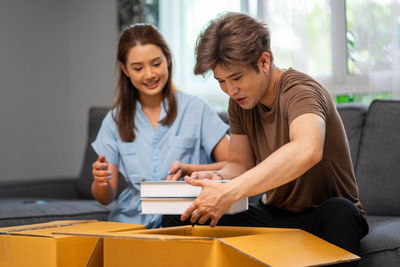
<point x="101" y="171"/>
<point x="205" y="175"/>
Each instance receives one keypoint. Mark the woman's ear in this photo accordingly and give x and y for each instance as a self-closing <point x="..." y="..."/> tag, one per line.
<point x="123" y="68"/>
<point x="264" y="62"/>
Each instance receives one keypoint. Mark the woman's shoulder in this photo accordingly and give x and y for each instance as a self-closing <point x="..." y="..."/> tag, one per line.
<point x="186" y="99"/>
<point x="108" y="119"/>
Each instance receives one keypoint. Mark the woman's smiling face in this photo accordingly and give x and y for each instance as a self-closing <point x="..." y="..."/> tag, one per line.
<point x="147" y="68"/>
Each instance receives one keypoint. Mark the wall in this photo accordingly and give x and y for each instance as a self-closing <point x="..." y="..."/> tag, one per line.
<point x="56" y="60"/>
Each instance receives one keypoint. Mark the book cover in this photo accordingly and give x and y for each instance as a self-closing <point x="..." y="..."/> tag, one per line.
<point x="177" y="206"/>
<point x="170" y="189"/>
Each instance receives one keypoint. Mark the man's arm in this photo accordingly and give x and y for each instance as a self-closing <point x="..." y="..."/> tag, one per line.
<point x="305" y="149"/>
<point x="220" y="153"/>
<point x="241" y="157"/>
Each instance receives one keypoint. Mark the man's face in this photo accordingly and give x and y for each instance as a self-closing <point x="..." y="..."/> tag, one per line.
<point x="245" y="86"/>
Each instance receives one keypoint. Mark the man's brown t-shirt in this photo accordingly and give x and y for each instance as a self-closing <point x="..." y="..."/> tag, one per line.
<point x="268" y="130"/>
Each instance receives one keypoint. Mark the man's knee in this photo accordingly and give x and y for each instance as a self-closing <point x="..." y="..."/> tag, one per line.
<point x="339" y="209"/>
<point x="340" y="215"/>
<point x="341" y="223"/>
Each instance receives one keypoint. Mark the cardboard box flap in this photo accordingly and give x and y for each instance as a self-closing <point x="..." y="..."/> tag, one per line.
<point x="170" y="233"/>
<point x="36" y="245"/>
<point x="41" y="229"/>
<point x="95" y="227"/>
<point x="303" y="249"/>
<point x="84" y="226"/>
<point x="52" y="224"/>
<point x="133" y="235"/>
<point x="196" y="232"/>
<point x="233" y="231"/>
<point x="215" y="232"/>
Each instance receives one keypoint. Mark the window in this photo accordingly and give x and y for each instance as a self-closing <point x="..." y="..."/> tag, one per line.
<point x="301" y="35"/>
<point x="180" y="23"/>
<point x="351" y="46"/>
<point x="373" y="43"/>
<point x="137" y="11"/>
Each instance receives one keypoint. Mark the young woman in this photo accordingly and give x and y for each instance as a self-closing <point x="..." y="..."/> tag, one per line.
<point x="152" y="132"/>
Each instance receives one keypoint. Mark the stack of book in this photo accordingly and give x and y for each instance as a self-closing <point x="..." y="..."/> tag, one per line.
<point x="174" y="197"/>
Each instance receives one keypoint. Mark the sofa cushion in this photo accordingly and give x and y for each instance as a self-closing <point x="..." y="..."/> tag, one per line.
<point x="381" y="246"/>
<point x="50" y="187"/>
<point x="378" y="167"/>
<point x="353" y="116"/>
<point x="19" y="211"/>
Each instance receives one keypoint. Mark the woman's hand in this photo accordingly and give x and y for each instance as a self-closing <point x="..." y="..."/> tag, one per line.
<point x="101" y="171"/>
<point x="176" y="171"/>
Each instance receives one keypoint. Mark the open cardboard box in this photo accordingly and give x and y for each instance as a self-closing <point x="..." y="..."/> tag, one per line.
<point x="218" y="246"/>
<point x="35" y="245"/>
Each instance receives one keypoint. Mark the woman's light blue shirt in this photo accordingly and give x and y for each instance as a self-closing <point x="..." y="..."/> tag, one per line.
<point x="189" y="139"/>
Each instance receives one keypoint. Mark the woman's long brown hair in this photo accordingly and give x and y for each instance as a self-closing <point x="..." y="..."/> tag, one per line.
<point x="127" y="95"/>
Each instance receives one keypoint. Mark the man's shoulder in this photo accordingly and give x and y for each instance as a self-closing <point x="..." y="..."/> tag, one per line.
<point x="294" y="82"/>
<point x="293" y="73"/>
<point x="293" y="78"/>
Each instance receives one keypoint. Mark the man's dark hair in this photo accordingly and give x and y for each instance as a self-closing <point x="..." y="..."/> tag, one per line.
<point x="232" y="39"/>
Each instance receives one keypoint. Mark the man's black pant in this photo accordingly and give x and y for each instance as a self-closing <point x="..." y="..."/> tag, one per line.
<point x="336" y="220"/>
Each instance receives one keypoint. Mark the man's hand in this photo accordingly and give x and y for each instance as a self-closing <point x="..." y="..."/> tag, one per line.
<point x="214" y="199"/>
<point x="210" y="175"/>
<point x="101" y="171"/>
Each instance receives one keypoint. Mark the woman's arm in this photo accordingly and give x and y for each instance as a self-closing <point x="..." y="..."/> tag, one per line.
<point x="105" y="183"/>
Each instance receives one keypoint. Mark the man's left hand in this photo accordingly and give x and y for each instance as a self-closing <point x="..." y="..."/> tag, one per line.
<point x="214" y="199"/>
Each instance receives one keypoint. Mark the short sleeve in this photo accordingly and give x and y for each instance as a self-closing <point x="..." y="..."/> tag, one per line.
<point x="235" y="121"/>
<point x="305" y="98"/>
<point x="213" y="128"/>
<point x="106" y="140"/>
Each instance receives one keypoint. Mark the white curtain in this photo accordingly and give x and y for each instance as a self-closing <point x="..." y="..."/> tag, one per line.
<point x="180" y="23"/>
<point x="374" y="28"/>
<point x="361" y="57"/>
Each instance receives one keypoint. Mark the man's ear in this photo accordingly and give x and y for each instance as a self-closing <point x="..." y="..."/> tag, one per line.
<point x="264" y="62"/>
<point x="123" y="68"/>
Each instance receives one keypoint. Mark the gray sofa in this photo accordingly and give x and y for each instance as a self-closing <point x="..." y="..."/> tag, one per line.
<point x="58" y="198"/>
<point x="374" y="139"/>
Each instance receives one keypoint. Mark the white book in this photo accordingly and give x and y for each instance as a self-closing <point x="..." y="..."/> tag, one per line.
<point x="177" y="206"/>
<point x="170" y="189"/>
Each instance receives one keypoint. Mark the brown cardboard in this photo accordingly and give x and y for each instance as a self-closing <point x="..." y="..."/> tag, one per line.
<point x="218" y="246"/>
<point x="35" y="245"/>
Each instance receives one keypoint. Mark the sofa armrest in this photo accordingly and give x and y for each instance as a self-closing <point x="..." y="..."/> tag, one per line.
<point x="59" y="187"/>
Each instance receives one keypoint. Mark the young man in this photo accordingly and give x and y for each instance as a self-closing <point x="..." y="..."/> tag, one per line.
<point x="287" y="140"/>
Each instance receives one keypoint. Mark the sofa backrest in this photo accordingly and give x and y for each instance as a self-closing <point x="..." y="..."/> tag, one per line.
<point x="353" y="117"/>
<point x="96" y="116"/>
<point x="378" y="162"/>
